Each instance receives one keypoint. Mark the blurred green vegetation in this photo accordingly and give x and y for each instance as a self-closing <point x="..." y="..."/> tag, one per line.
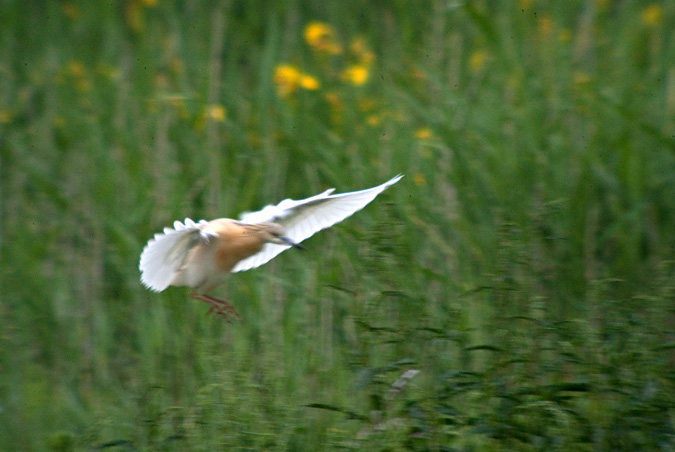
<point x="514" y="291"/>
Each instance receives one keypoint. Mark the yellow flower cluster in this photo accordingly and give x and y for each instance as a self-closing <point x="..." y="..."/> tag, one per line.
<point x="216" y="113"/>
<point x="77" y="73"/>
<point x="477" y="60"/>
<point x="70" y="10"/>
<point x="289" y="79"/>
<point x="358" y="74"/>
<point x="212" y="113"/>
<point x="652" y="15"/>
<point x="134" y="10"/>
<point x="5" y="116"/>
<point x="323" y="40"/>
<point x="423" y="134"/>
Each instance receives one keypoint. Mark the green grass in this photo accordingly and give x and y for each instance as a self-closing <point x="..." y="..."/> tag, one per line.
<point x="524" y="266"/>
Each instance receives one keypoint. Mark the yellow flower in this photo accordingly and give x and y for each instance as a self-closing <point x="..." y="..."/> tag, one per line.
<point x="652" y="15"/>
<point x="419" y="179"/>
<point x="135" y="15"/>
<point x="316" y="31"/>
<point x="545" y="26"/>
<point x="356" y="74"/>
<point x="321" y="36"/>
<point x="373" y="120"/>
<point x="309" y="83"/>
<point x="477" y="60"/>
<point x="70" y="11"/>
<point x="5" y="117"/>
<point x="581" y="78"/>
<point x="287" y="79"/>
<point x="423" y="134"/>
<point x="76" y="68"/>
<point x="216" y="112"/>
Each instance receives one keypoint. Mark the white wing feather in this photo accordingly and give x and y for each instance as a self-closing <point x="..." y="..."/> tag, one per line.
<point x="304" y="218"/>
<point x="165" y="254"/>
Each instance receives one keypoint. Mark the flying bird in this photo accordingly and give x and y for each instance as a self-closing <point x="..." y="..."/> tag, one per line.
<point x="200" y="254"/>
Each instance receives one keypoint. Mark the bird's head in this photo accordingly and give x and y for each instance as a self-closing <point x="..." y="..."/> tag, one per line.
<point x="275" y="233"/>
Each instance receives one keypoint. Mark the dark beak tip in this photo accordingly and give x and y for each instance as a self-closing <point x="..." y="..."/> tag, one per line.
<point x="293" y="244"/>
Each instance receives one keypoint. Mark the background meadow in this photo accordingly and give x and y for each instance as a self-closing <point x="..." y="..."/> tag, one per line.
<point x="516" y="290"/>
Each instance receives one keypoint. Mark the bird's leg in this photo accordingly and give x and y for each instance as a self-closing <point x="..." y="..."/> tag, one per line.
<point x="218" y="305"/>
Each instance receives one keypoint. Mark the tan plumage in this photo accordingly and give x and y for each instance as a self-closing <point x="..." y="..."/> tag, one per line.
<point x="200" y="255"/>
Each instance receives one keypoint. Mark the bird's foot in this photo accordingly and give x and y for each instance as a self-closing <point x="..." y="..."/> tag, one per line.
<point x="218" y="306"/>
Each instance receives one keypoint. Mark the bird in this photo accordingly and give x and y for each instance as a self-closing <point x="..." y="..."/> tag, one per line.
<point x="200" y="254"/>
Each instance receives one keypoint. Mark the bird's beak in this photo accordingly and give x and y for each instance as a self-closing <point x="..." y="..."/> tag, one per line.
<point x="292" y="243"/>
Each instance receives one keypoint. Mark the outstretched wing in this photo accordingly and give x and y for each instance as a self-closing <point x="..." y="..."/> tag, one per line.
<point x="166" y="253"/>
<point x="304" y="218"/>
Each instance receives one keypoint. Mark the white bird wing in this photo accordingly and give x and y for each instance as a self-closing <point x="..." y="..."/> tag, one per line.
<point x="304" y="218"/>
<point x="166" y="253"/>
